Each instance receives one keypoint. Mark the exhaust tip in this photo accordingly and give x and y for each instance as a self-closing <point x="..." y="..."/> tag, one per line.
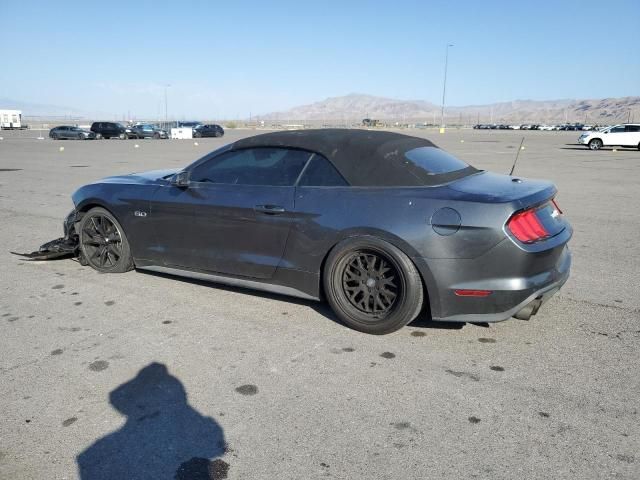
<point x="529" y="310"/>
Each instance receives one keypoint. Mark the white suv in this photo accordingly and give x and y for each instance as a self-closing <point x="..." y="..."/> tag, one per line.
<point x="627" y="135"/>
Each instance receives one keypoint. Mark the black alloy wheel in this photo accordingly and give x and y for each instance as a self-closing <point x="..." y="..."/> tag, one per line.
<point x="103" y="242"/>
<point x="370" y="282"/>
<point x="372" y="286"/>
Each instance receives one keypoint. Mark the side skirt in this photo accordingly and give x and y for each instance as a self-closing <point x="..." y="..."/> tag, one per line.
<point x="231" y="281"/>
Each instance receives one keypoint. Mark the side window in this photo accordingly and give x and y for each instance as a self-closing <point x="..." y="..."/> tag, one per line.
<point x="632" y="128"/>
<point x="253" y="166"/>
<point x="617" y="130"/>
<point x="321" y="173"/>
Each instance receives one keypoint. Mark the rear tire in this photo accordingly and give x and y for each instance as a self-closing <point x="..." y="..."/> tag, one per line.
<point x="103" y="243"/>
<point x="595" y="144"/>
<point x="372" y="286"/>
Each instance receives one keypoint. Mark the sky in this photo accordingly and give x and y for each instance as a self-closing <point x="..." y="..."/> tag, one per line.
<point x="241" y="58"/>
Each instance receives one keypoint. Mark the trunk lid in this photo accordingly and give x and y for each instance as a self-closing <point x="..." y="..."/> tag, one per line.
<point x="526" y="200"/>
<point x="496" y="188"/>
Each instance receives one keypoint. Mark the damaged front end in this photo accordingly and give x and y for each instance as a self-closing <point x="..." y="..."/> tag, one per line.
<point x="64" y="247"/>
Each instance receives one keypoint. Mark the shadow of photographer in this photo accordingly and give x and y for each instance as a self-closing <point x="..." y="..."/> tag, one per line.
<point x="163" y="437"/>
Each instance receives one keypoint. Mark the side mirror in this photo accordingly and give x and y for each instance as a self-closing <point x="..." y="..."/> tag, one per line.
<point x="181" y="179"/>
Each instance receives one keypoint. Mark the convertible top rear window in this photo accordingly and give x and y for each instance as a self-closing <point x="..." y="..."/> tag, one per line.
<point x="434" y="161"/>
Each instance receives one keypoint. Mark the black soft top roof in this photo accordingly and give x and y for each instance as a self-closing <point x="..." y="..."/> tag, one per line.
<point x="363" y="157"/>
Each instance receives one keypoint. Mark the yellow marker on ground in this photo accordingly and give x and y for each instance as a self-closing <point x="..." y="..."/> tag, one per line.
<point x="136" y="146"/>
<point x="62" y="149"/>
<point x="195" y="143"/>
<point x="461" y="141"/>
<point x="442" y="130"/>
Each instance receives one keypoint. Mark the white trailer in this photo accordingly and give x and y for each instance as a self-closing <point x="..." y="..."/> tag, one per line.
<point x="182" y="133"/>
<point x="11" y="119"/>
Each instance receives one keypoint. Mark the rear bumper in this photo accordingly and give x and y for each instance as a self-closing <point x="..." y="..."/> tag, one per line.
<point x="509" y="295"/>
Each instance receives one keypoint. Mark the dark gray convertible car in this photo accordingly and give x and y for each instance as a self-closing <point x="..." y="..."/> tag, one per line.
<point x="383" y="226"/>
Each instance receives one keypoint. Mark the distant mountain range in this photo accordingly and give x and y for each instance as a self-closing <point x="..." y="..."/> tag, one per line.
<point x="40" y="110"/>
<point x="355" y="107"/>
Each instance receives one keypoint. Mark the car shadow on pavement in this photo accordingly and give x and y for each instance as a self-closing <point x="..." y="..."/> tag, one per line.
<point x="163" y="437"/>
<point x="577" y="146"/>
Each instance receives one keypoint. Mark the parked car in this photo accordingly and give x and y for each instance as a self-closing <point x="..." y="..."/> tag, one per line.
<point x="626" y="135"/>
<point x="208" y="131"/>
<point x="547" y="128"/>
<point x="146" y="130"/>
<point x="111" y="129"/>
<point x="65" y="132"/>
<point x="268" y="212"/>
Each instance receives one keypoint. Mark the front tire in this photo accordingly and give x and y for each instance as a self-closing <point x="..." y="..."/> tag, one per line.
<point x="595" y="144"/>
<point x="372" y="286"/>
<point x="123" y="136"/>
<point x="103" y="243"/>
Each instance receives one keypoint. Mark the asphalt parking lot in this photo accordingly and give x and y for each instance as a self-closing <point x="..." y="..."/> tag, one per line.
<point x="171" y="378"/>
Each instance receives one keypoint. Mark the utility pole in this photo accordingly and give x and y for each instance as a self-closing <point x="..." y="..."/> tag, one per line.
<point x="166" y="117"/>
<point x="444" y="86"/>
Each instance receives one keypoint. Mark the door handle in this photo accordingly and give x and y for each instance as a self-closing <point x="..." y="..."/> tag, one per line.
<point x="269" y="209"/>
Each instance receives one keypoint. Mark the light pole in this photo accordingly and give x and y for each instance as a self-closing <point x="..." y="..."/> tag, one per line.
<point x="166" y="119"/>
<point x="444" y="86"/>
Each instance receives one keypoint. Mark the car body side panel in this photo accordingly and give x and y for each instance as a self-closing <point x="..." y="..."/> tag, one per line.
<point x="228" y="233"/>
<point x="399" y="216"/>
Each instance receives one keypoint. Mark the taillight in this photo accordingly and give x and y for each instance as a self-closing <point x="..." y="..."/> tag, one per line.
<point x="526" y="227"/>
